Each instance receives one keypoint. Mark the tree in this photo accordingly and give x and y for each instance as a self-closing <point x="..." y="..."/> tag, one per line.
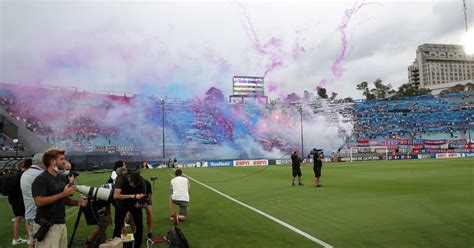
<point x="348" y="99"/>
<point x="322" y="92"/>
<point x="365" y="91"/>
<point x="458" y="88"/>
<point x="382" y="91"/>
<point x="292" y="97"/>
<point x="470" y="86"/>
<point x="214" y="94"/>
<point x="409" y="89"/>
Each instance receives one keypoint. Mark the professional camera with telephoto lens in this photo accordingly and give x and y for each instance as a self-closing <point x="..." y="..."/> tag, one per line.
<point x="73" y="173"/>
<point x="316" y="151"/>
<point x="96" y="193"/>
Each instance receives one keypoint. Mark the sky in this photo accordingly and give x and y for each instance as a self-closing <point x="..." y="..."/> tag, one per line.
<point x="179" y="49"/>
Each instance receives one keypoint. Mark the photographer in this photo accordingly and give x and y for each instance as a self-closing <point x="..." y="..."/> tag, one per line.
<point x="318" y="156"/>
<point x="69" y="173"/>
<point x="94" y="238"/>
<point x="51" y="194"/>
<point x="295" y="164"/>
<point x="129" y="195"/>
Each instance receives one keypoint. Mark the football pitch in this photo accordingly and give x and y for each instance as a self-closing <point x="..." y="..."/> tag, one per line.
<point x="405" y="203"/>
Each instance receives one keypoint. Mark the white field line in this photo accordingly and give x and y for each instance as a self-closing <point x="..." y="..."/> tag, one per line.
<point x="294" y="229"/>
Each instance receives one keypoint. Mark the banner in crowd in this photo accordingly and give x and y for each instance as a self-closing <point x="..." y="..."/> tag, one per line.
<point x="448" y="155"/>
<point x="435" y="142"/>
<point x="260" y="162"/>
<point x="283" y="161"/>
<point x="219" y="163"/>
<point x="363" y="158"/>
<point x="111" y="149"/>
<point x="425" y="156"/>
<point x="100" y="148"/>
<point x="89" y="148"/>
<point x="125" y="148"/>
<point x="402" y="156"/>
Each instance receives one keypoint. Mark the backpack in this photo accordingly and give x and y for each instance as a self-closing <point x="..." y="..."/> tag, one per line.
<point x="8" y="183"/>
<point x="176" y="238"/>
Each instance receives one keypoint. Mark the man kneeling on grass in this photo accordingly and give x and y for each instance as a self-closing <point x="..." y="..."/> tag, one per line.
<point x="180" y="196"/>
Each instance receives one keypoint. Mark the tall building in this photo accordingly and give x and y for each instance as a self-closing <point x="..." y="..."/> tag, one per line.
<point x="246" y="88"/>
<point x="440" y="66"/>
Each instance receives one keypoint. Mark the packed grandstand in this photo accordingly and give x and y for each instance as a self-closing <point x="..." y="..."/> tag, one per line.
<point x="206" y="128"/>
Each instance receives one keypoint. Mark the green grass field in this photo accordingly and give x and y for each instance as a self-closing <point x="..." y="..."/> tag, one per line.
<point x="416" y="203"/>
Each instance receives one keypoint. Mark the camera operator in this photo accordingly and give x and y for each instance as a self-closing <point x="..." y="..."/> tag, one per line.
<point x="318" y="156"/>
<point x="129" y="194"/>
<point x="295" y="165"/>
<point x="51" y="194"/>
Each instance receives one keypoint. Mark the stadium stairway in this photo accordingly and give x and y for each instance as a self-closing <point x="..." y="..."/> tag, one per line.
<point x="31" y="142"/>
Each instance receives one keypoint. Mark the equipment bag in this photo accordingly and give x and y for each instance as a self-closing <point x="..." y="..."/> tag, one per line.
<point x="176" y="238"/>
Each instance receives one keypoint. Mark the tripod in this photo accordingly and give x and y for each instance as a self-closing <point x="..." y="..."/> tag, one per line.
<point x="91" y="218"/>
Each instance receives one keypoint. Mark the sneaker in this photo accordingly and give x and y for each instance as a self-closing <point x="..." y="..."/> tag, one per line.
<point x="150" y="235"/>
<point x="319" y="186"/>
<point x="300" y="184"/>
<point x="175" y="219"/>
<point x="293" y="184"/>
<point x="19" y="241"/>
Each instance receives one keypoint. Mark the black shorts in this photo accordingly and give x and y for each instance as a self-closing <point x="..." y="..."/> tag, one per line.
<point x="317" y="170"/>
<point x="296" y="171"/>
<point x="18" y="206"/>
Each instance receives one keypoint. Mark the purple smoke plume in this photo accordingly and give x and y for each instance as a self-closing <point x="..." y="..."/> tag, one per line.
<point x="336" y="68"/>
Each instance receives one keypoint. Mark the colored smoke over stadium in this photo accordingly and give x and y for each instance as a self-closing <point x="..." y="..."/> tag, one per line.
<point x="204" y="127"/>
<point x="181" y="50"/>
<point x="336" y="68"/>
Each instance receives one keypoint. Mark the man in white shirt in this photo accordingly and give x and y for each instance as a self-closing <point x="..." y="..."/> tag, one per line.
<point x="180" y="196"/>
<point x="25" y="183"/>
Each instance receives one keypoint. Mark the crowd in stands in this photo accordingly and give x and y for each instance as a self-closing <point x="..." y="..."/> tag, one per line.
<point x="91" y="119"/>
<point x="411" y="117"/>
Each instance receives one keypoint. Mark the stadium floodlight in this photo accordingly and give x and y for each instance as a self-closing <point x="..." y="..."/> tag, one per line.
<point x="468" y="38"/>
<point x="163" y="100"/>
<point x="16" y="142"/>
<point x="369" y="149"/>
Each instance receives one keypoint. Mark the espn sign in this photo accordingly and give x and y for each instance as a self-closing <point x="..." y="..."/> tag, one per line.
<point x="260" y="162"/>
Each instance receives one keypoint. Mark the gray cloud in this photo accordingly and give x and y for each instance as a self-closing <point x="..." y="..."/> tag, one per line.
<point x="168" y="48"/>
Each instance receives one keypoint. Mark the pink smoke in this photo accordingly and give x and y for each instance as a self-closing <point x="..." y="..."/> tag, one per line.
<point x="336" y="68"/>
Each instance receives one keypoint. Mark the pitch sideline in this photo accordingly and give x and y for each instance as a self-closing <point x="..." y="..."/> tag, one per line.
<point x="294" y="229"/>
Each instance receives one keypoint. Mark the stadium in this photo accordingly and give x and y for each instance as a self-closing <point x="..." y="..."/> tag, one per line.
<point x="382" y="167"/>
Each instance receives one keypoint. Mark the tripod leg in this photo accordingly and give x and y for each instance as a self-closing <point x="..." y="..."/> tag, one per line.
<point x="75" y="227"/>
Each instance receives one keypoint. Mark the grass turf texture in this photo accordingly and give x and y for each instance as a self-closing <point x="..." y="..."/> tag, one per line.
<point x="411" y="203"/>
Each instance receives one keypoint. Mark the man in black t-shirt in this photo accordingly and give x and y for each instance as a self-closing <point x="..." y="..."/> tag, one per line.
<point x="129" y="189"/>
<point x="295" y="166"/>
<point x="317" y="166"/>
<point x="51" y="194"/>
